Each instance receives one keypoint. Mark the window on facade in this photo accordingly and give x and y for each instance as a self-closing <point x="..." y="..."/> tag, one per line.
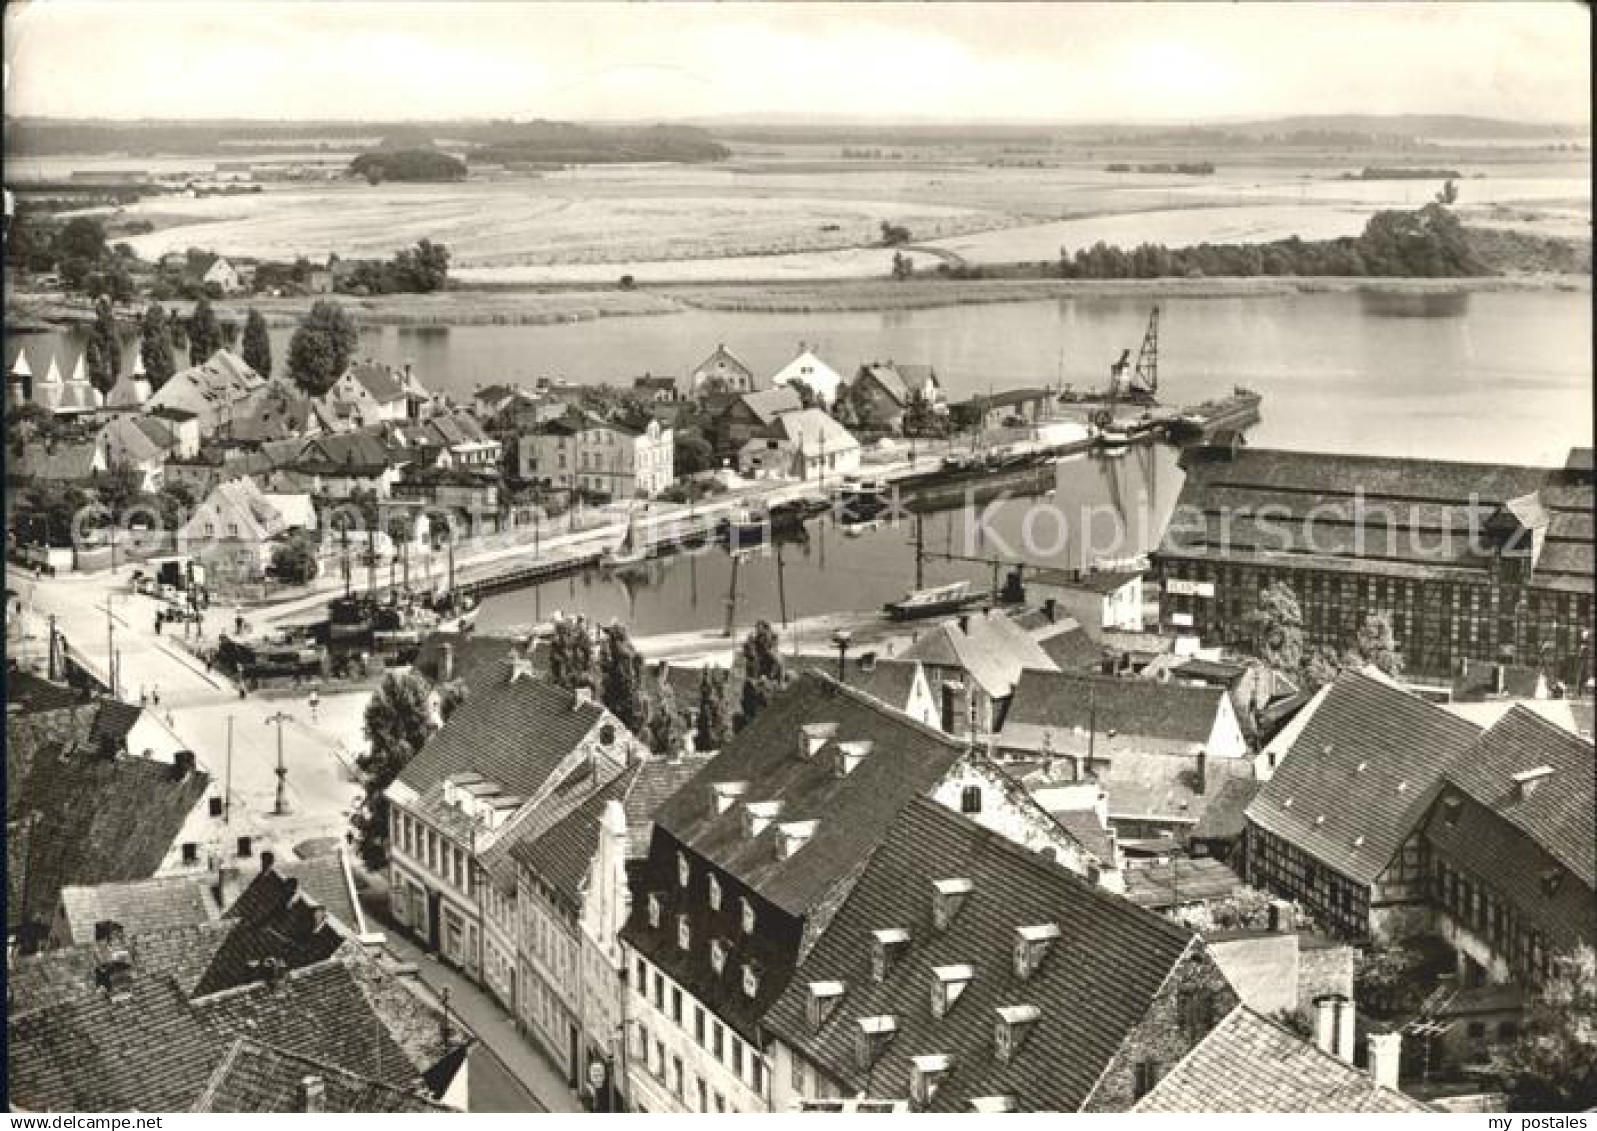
<point x="658" y="1066"/>
<point x="191" y="853"/>
<point x="676" y="1005"/>
<point x="715" y="894"/>
<point x="747" y="916"/>
<point x="717" y="1040"/>
<point x="246" y="846"/>
<point x="800" y="1076"/>
<point x="684" y="872"/>
<point x="216" y="806"/>
<point x="757" y="1070"/>
<point x="641" y="983"/>
<point x="720" y="1103"/>
<point x="970" y="799"/>
<point x="659" y="991"/>
<point x="737" y="1058"/>
<point x="704" y="1094"/>
<point x="676" y="1076"/>
<point x="1147" y="1075"/>
<point x="698" y="1026"/>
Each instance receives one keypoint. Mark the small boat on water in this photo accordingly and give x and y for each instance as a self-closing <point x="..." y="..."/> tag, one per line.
<point x="744" y="528"/>
<point x="1113" y="440"/>
<point x="861" y="500"/>
<point x="937" y="600"/>
<point x="630" y="551"/>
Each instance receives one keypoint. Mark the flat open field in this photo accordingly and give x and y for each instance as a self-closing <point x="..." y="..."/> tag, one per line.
<point x="799" y="214"/>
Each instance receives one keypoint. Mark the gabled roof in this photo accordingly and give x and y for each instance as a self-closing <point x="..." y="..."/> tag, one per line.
<point x="28" y="694"/>
<point x="254" y="1077"/>
<point x="561" y="856"/>
<point x="814" y="372"/>
<point x="240" y="503"/>
<point x="212" y="391"/>
<point x="324" y="880"/>
<point x="75" y="816"/>
<point x="1477" y="679"/>
<point x="1558" y="813"/>
<point x="990" y="648"/>
<point x="892" y="681"/>
<point x="1249" y="1063"/>
<point x="724" y="358"/>
<point x="1095" y="982"/>
<point x="853" y="810"/>
<point x="1176" y="715"/>
<point x="514" y="732"/>
<point x="361" y="451"/>
<point x="125" y="442"/>
<point x="1224" y="817"/>
<point x="140" y="906"/>
<point x="1360" y="774"/>
<point x="890" y="378"/>
<point x="378" y="380"/>
<point x="769" y="404"/>
<point x="1072" y="650"/>
<point x="814" y="431"/>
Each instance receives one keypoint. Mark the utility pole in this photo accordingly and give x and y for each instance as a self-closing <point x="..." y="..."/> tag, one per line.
<point x="280" y="806"/>
<point x="54" y="664"/>
<point x="920" y="552"/>
<point x="1092" y="727"/>
<point x="227" y="787"/>
<point x="732" y="597"/>
<point x="781" y="586"/>
<point x="343" y="531"/>
<point x="840" y="640"/>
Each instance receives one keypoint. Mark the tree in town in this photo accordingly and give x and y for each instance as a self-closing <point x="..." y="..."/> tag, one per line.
<point x="175" y="501"/>
<point x="257" y="344"/>
<point x="621" y="679"/>
<point x="663" y="732"/>
<point x="1391" y="981"/>
<point x="1449" y="193"/>
<point x="763" y="673"/>
<point x="294" y="559"/>
<point x="321" y="348"/>
<point x="398" y="724"/>
<point x="118" y="487"/>
<point x="1553" y="1064"/>
<point x="451" y="696"/>
<point x="81" y="238"/>
<point x="691" y="453"/>
<point x="903" y="266"/>
<point x="1321" y="665"/>
<point x="571" y="657"/>
<point x="1246" y="909"/>
<point x="204" y="333"/>
<point x="1275" y="625"/>
<point x="714" y="729"/>
<point x="179" y="330"/>
<point x="103" y="354"/>
<point x="155" y="346"/>
<point x="1375" y="643"/>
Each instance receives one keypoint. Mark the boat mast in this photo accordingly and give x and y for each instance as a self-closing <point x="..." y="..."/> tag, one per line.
<point x="1147" y="371"/>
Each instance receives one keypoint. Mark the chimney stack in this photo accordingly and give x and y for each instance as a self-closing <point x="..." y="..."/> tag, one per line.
<point x="580" y="697"/>
<point x="1499" y="677"/>
<point x="313" y="1095"/>
<point x="446" y="664"/>
<point x="1050" y="609"/>
<point x="1333" y="1026"/>
<point x="267" y="860"/>
<point x="1281" y="917"/>
<point x="1526" y="783"/>
<point x="1386" y="1051"/>
<point x="183" y="764"/>
<point x="1202" y="785"/>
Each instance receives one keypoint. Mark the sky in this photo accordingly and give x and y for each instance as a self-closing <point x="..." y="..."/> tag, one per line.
<point x="407" y="59"/>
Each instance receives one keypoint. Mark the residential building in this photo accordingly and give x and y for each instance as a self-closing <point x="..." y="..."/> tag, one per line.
<point x="1509" y="851"/>
<point x="1250" y="1063"/>
<point x="224" y="275"/>
<point x="748" y="862"/>
<point x="661" y="389"/>
<point x="215" y="392"/>
<point x="1468" y="560"/>
<point x="963" y="974"/>
<point x="132" y="390"/>
<point x="579" y="451"/>
<point x="574" y="897"/>
<point x="80" y="811"/>
<point x="882" y="392"/>
<point x="721" y="372"/>
<point x="1007" y="408"/>
<point x="1095" y="599"/>
<point x="1337" y="827"/>
<point x="137" y="444"/>
<point x="807" y="368"/>
<point x="340" y="464"/>
<point x="237" y="528"/>
<point x="518" y="751"/>
<point x="806" y="444"/>
<point x="749" y="415"/>
<point x="901" y="684"/>
<point x="460" y="441"/>
<point x="366" y="394"/>
<point x="979" y="659"/>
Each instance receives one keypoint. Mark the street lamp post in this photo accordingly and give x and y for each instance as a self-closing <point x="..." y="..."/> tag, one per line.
<point x="280" y="805"/>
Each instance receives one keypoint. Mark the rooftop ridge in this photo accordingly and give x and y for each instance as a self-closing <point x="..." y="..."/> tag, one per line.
<point x="887" y="711"/>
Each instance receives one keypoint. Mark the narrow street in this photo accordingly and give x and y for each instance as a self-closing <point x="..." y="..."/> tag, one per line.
<point x="508" y="1074"/>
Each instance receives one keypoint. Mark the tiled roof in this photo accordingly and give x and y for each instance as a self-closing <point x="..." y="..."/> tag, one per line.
<point x="1180" y="882"/>
<point x="475" y="656"/>
<point x="323" y="879"/>
<point x="890" y="378"/>
<point x="140" y="905"/>
<point x="1095" y="982"/>
<point x="215" y="391"/>
<point x="77" y="817"/>
<point x="1360" y="774"/>
<point x="1477" y="679"/>
<point x="1083" y="825"/>
<point x="1224" y="817"/>
<point x="253" y="1077"/>
<point x="1427" y="497"/>
<point x="724" y="357"/>
<point x="1073" y="650"/>
<point x="1248" y="1063"/>
<point x="348" y="452"/>
<point x="379" y="381"/>
<point x="1171" y="713"/>
<point x="124" y="442"/>
<point x="770" y="404"/>
<point x="1144" y="785"/>
<point x="853" y="810"/>
<point x="890" y="681"/>
<point x="655" y="783"/>
<point x="28" y="694"/>
<point x="1100" y="581"/>
<point x="1557" y="814"/>
<point x="990" y="648"/>
<point x="514" y="733"/>
<point x="561" y="856"/>
<point x="813" y="431"/>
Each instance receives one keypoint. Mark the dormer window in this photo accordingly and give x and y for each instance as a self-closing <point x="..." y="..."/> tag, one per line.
<point x="654" y="911"/>
<point x="887" y="947"/>
<point x="758" y="815"/>
<point x="1552" y="880"/>
<point x="792" y="836"/>
<point x="684" y="933"/>
<point x="872" y="1038"/>
<point x="948" y="983"/>
<point x="926" y="1075"/>
<point x="746" y="913"/>
<point x="948" y="896"/>
<point x="714" y="888"/>
<point x="1014" y="1023"/>
<point x="684" y="871"/>
<point x="822" y="1003"/>
<point x="718" y="955"/>
<point x="1452" y="806"/>
<point x="1031" y="946"/>
<point x="751" y="981"/>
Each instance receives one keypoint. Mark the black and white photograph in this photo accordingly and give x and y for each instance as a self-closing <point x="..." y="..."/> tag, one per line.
<point x="799" y="557"/>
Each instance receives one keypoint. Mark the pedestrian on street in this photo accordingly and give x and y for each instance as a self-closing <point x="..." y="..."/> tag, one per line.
<point x="315" y="699"/>
<point x="156" y="695"/>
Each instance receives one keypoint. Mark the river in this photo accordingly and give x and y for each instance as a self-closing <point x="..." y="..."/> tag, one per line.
<point x="1502" y="376"/>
